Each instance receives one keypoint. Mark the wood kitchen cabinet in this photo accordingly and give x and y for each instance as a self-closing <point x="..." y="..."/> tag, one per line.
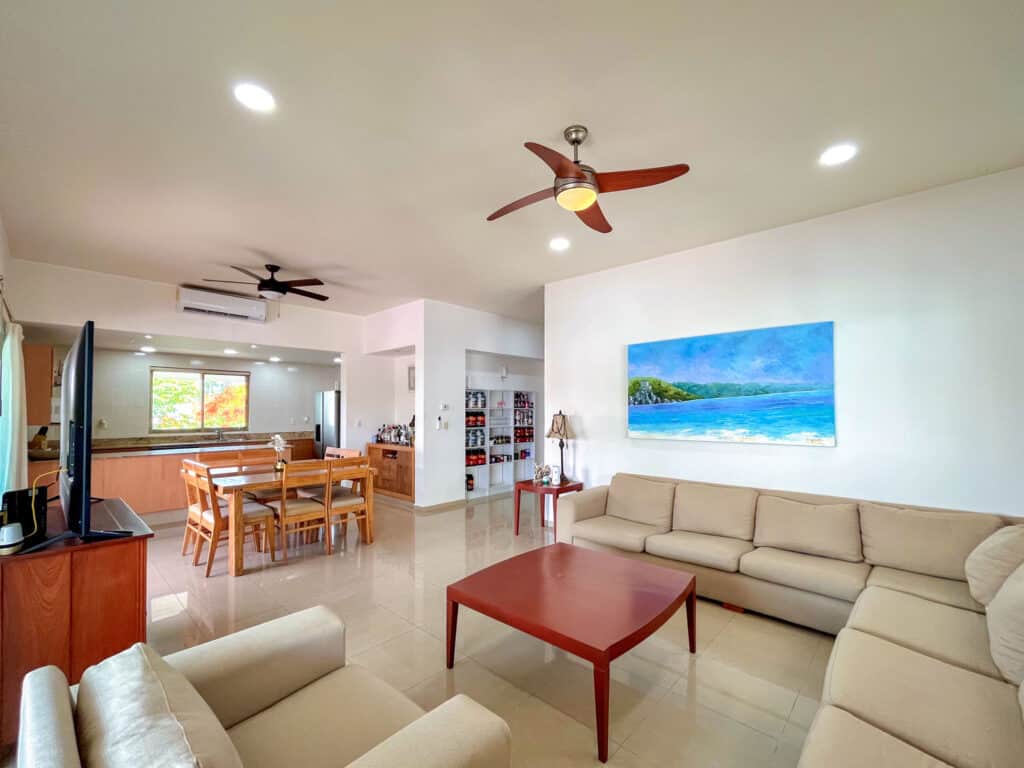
<point x="396" y="470"/>
<point x="38" y="382"/>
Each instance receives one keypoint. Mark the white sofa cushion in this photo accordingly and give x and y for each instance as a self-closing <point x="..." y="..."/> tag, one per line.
<point x="828" y="530"/>
<point x="993" y="560"/>
<point x="837" y="739"/>
<point x="718" y="552"/>
<point x="821" y="575"/>
<point x="1006" y="627"/>
<point x="327" y="724"/>
<point x="961" y="717"/>
<point x="923" y="541"/>
<point x="946" y="591"/>
<point x="614" y="532"/>
<point x="719" y="510"/>
<point x="641" y="501"/>
<point x="46" y="729"/>
<point x="953" y="635"/>
<point x="134" y="709"/>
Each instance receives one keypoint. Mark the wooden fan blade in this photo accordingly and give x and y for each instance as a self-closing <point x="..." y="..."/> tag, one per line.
<point x="308" y="294"/>
<point x="563" y="167"/>
<point x="616" y="181"/>
<point x="233" y="282"/>
<point x="594" y="218"/>
<point x="248" y="272"/>
<point x="522" y="202"/>
<point x="303" y="281"/>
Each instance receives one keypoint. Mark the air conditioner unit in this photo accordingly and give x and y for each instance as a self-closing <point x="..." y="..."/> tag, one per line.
<point x="221" y="304"/>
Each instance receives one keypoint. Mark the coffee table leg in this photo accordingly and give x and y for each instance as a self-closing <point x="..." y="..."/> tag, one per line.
<point x="691" y="618"/>
<point x="453" y="620"/>
<point x="515" y="503"/>
<point x="601" y="685"/>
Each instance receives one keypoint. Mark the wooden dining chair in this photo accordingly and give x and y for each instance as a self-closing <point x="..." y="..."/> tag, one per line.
<point x="301" y="516"/>
<point x="344" y="505"/>
<point x="330" y="452"/>
<point x="264" y="459"/>
<point x="212" y="522"/>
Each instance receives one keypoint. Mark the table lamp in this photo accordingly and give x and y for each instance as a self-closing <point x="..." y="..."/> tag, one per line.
<point x="560" y="429"/>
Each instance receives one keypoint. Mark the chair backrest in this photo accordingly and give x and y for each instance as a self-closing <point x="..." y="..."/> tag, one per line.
<point x="332" y="452"/>
<point x="197" y="489"/>
<point x="302" y="467"/>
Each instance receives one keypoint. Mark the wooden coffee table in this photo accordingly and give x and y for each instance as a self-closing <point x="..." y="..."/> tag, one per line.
<point x="595" y="605"/>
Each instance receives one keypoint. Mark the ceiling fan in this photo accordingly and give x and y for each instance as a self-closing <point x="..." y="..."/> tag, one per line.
<point x="270" y="287"/>
<point x="577" y="185"/>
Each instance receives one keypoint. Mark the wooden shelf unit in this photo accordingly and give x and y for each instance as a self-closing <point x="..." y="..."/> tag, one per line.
<point x="501" y="421"/>
<point x="396" y="470"/>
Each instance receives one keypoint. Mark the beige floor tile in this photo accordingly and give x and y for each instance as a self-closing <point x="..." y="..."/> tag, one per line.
<point x="803" y="712"/>
<point x="815" y="681"/>
<point x="542" y="736"/>
<point x="406" y="660"/>
<point x="473" y="680"/>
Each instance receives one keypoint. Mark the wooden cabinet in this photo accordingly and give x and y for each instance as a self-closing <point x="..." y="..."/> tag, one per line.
<point x="38" y="382"/>
<point x="71" y="606"/>
<point x="396" y="470"/>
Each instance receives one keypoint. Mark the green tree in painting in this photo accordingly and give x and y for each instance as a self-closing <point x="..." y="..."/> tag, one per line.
<point x="177" y="400"/>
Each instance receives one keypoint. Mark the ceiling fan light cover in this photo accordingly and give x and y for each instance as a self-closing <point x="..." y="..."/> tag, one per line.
<point x="270" y="293"/>
<point x="576" y="198"/>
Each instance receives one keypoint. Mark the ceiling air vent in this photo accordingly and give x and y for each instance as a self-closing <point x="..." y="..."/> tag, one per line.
<point x="221" y="305"/>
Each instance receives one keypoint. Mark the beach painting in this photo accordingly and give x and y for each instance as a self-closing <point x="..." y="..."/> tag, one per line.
<point x="770" y="385"/>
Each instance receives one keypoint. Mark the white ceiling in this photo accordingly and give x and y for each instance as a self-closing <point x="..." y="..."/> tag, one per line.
<point x="64" y="335"/>
<point x="400" y="127"/>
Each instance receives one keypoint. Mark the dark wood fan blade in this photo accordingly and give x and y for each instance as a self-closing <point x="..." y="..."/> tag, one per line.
<point x="308" y="294"/>
<point x="522" y="202"/>
<point x="594" y="218"/>
<point x="248" y="272"/>
<point x="233" y="282"/>
<point x="303" y="281"/>
<point x="616" y="181"/>
<point x="563" y="167"/>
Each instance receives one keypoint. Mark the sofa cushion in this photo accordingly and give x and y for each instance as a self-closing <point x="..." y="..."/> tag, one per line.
<point x="923" y="541"/>
<point x="837" y="739"/>
<point x="614" y="532"/>
<point x="46" y="729"/>
<point x="1006" y="627"/>
<point x="953" y="635"/>
<point x="993" y="560"/>
<point x="713" y="551"/>
<point x="963" y="718"/>
<point x="720" y="510"/>
<point x="828" y="530"/>
<point x="641" y="501"/>
<point x="948" y="591"/>
<point x="135" y="709"/>
<point x="821" y="575"/>
<point x="329" y="723"/>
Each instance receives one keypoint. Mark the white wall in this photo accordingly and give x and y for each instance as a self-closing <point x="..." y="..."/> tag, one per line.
<point x="280" y="400"/>
<point x="404" y="398"/>
<point x="51" y="294"/>
<point x="926" y="292"/>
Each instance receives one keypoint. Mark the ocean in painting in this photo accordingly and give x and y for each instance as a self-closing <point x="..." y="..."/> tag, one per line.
<point x="770" y="385"/>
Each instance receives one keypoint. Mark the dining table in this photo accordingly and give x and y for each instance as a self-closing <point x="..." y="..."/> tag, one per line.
<point x="234" y="486"/>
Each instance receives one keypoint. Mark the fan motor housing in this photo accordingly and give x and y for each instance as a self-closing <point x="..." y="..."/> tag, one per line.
<point x="590" y="182"/>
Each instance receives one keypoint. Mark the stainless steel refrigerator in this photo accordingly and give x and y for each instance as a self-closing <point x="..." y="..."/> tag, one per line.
<point x="326" y="421"/>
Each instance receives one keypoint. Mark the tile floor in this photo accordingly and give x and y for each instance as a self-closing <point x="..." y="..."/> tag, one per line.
<point x="745" y="699"/>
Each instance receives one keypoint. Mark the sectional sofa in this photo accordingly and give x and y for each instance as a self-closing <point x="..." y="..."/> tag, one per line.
<point x="926" y="669"/>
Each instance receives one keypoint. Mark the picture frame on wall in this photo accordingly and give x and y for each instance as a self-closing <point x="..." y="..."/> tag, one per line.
<point x="412" y="378"/>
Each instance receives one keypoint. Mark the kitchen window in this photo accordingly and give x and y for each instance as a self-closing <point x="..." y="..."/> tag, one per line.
<point x="185" y="400"/>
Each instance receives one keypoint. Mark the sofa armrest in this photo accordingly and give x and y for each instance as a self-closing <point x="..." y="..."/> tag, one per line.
<point x="458" y="734"/>
<point x="46" y="731"/>
<point x="241" y="674"/>
<point x="579" y="506"/>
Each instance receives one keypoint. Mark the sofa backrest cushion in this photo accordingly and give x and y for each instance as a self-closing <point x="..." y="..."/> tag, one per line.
<point x="641" y="501"/>
<point x="720" y="510"/>
<point x="827" y="530"/>
<point x="1005" y="617"/>
<point x="923" y="541"/>
<point x="134" y="709"/>
<point x="992" y="561"/>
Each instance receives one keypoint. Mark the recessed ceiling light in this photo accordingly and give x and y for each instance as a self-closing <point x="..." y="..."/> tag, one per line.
<point x="230" y="351"/>
<point x="255" y="97"/>
<point x="148" y="336"/>
<point x="292" y="369"/>
<point x="838" y="154"/>
<point x="258" y="362"/>
<point x="275" y="359"/>
<point x="253" y="346"/>
<point x="140" y="354"/>
<point x="337" y="359"/>
<point x="147" y="349"/>
<point x="195" y="362"/>
<point x="559" y="244"/>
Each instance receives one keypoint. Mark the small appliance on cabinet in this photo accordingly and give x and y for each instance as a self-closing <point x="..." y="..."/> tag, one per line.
<point x="326" y="421"/>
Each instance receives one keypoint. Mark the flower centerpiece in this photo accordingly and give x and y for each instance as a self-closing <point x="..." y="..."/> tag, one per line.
<point x="279" y="444"/>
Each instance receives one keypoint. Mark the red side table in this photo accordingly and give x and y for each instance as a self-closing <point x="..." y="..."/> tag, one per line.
<point x="554" y="491"/>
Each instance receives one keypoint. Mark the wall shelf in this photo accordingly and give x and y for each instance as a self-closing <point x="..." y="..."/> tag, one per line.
<point x="517" y="413"/>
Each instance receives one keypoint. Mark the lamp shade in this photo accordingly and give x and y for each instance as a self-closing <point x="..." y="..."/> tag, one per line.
<point x="560" y="427"/>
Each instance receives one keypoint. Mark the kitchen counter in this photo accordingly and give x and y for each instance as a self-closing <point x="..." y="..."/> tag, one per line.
<point x="109" y="454"/>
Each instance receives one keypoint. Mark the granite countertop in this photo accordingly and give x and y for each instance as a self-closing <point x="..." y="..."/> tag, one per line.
<point x="168" y="445"/>
<point x="174" y="451"/>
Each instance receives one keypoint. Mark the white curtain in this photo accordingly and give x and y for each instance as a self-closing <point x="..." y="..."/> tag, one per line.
<point x="13" y="424"/>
